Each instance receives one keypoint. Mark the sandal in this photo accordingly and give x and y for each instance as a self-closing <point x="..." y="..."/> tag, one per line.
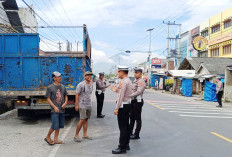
<point x="87" y="138"/>
<point x="59" y="142"/>
<point x="77" y="139"/>
<point x="49" y="142"/>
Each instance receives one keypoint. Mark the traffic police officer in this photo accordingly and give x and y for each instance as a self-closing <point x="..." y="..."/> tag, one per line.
<point x="137" y="103"/>
<point x="122" y="109"/>
<point x="100" y="89"/>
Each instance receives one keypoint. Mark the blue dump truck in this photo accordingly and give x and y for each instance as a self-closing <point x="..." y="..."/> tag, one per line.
<point x="24" y="74"/>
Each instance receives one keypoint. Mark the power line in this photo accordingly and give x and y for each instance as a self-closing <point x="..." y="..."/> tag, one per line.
<point x="58" y="14"/>
<point x="57" y="34"/>
<point x="30" y="28"/>
<point x="159" y="27"/>
<point x="68" y="17"/>
<point x="50" y="26"/>
<point x="40" y="17"/>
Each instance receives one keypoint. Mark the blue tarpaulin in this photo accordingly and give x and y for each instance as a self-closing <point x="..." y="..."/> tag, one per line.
<point x="210" y="91"/>
<point x="153" y="78"/>
<point x="187" y="86"/>
<point x="223" y="80"/>
<point x="157" y="77"/>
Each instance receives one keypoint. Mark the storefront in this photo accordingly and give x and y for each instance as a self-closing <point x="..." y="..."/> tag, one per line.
<point x="221" y="46"/>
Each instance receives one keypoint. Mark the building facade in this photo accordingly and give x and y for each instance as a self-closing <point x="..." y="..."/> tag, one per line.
<point x="17" y="20"/>
<point x="204" y="32"/>
<point x="28" y="18"/>
<point x="220" y="34"/>
<point x="185" y="45"/>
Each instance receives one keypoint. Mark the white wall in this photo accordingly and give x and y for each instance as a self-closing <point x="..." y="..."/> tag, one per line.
<point x="29" y="19"/>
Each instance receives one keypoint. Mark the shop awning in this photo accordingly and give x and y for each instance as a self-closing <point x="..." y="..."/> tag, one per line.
<point x="182" y="73"/>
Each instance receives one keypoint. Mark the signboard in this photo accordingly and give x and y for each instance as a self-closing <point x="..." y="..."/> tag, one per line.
<point x="200" y="43"/>
<point x="155" y="61"/>
<point x="156" y="66"/>
<point x="220" y="38"/>
<point x="195" y="31"/>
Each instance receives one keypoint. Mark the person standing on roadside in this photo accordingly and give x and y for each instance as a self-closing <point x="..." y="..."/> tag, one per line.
<point x="219" y="92"/>
<point x="122" y="110"/>
<point x="83" y="105"/>
<point x="100" y="94"/>
<point x="57" y="97"/>
<point x="137" y="103"/>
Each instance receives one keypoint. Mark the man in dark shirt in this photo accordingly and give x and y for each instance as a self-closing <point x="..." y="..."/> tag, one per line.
<point x="100" y="94"/>
<point x="57" y="97"/>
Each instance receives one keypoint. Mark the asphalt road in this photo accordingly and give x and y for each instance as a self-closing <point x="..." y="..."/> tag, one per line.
<point x="172" y="127"/>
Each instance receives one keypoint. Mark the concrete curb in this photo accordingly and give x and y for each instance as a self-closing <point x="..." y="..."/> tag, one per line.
<point x="172" y="95"/>
<point x="9" y="114"/>
<point x="227" y="105"/>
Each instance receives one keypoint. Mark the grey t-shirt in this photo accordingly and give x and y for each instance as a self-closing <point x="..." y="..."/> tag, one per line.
<point x="57" y="95"/>
<point x="84" y="90"/>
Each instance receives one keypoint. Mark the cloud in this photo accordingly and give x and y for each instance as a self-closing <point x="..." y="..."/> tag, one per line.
<point x="137" y="58"/>
<point x="102" y="45"/>
<point x="109" y="12"/>
<point x="99" y="56"/>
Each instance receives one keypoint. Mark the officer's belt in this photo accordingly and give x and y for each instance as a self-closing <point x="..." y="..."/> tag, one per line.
<point x="126" y="102"/>
<point x="138" y="97"/>
<point x="99" y="91"/>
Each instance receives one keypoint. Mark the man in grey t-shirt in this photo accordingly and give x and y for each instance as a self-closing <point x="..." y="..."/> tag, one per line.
<point x="83" y="104"/>
<point x="57" y="97"/>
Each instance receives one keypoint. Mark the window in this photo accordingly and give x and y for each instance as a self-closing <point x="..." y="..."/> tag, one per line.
<point x="227" y="24"/>
<point x="227" y="50"/>
<point x="215" y="29"/>
<point x="215" y="52"/>
<point x="205" y="33"/>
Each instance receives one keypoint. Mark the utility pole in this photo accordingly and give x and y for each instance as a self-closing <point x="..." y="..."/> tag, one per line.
<point x="77" y="44"/>
<point x="169" y="38"/>
<point x="149" y="58"/>
<point x="60" y="45"/>
<point x="68" y="46"/>
<point x="179" y="47"/>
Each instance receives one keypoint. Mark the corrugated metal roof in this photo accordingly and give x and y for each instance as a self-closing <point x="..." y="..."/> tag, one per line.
<point x="208" y="61"/>
<point x="217" y="69"/>
<point x="182" y="73"/>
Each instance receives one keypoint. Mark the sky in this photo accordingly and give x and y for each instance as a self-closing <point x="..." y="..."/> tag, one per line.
<point x="115" y="26"/>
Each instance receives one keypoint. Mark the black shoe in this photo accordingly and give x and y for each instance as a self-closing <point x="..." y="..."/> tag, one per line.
<point x="128" y="147"/>
<point x="219" y="106"/>
<point x="101" y="116"/>
<point x="119" y="151"/>
<point x="134" y="137"/>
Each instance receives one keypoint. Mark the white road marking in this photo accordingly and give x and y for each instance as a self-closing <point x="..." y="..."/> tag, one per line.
<point x="174" y="102"/>
<point x="199" y="107"/>
<point x="57" y="146"/>
<point x="191" y="109"/>
<point x="200" y="116"/>
<point x="181" y="112"/>
<point x="194" y="110"/>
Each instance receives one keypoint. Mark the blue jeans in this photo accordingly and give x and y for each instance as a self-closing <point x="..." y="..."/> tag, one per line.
<point x="58" y="120"/>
